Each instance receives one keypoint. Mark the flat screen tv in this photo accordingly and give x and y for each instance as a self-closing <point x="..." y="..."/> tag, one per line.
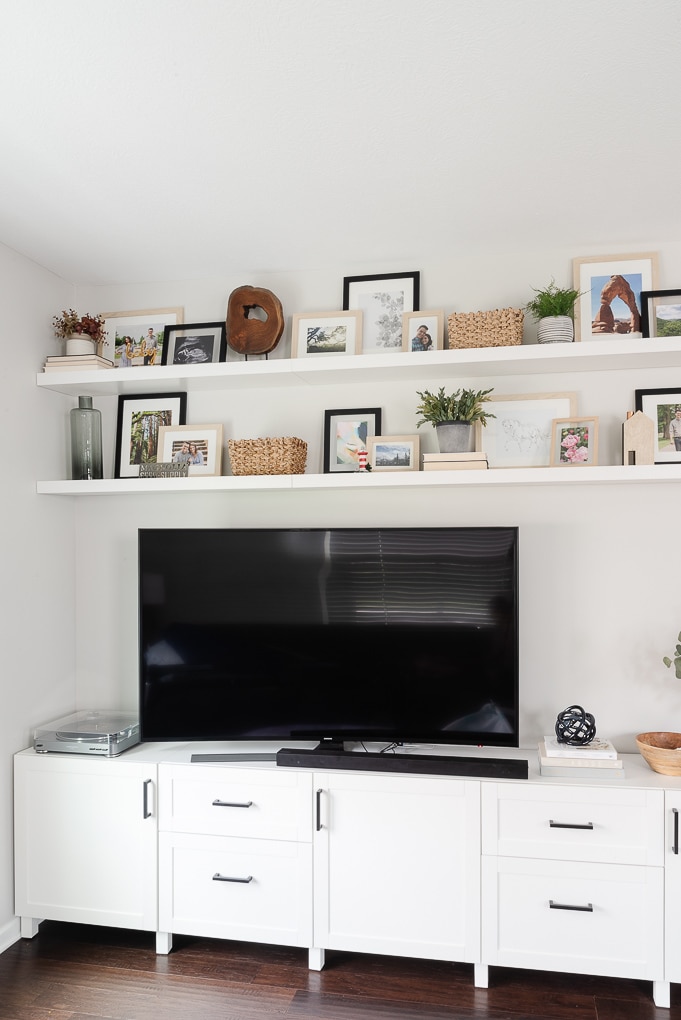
<point x="405" y="635"/>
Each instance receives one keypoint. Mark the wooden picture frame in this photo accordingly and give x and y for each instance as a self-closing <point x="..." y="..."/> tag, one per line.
<point x="137" y="428"/>
<point x="346" y="432"/>
<point x="419" y="327"/>
<point x="136" y="326"/>
<point x="394" y="453"/>
<point x="574" y="442"/>
<point x="326" y="334"/>
<point x="661" y="313"/>
<point x="662" y="406"/>
<point x="605" y="284"/>
<point x="520" y="433"/>
<point x="204" y="447"/>
<point x="194" y="343"/>
<point x="382" y="298"/>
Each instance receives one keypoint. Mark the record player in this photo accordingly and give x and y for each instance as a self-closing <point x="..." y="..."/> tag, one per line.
<point x="100" y="733"/>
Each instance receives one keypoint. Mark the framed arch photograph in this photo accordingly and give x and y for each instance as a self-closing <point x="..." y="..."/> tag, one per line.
<point x="609" y="305"/>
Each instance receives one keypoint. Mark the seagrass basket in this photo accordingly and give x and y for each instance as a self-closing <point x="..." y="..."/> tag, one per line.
<point x="499" y="328"/>
<point x="662" y="751"/>
<point x="285" y="456"/>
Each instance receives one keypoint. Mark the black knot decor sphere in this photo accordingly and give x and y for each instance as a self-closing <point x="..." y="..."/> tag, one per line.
<point x="575" y="726"/>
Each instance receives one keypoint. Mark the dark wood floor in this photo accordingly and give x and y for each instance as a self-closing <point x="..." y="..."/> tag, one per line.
<point x="75" y="972"/>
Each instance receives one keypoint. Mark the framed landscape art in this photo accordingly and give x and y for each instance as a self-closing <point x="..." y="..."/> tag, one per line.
<point x="610" y="287"/>
<point x="661" y="313"/>
<point x="326" y="334"/>
<point x="139" y="421"/>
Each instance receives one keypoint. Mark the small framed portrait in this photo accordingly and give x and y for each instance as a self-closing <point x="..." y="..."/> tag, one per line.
<point x="574" y="442"/>
<point x="139" y="421"/>
<point x="138" y="337"/>
<point x="346" y="434"/>
<point x="199" y="446"/>
<point x="382" y="299"/>
<point x="610" y="288"/>
<point x="663" y="406"/>
<point x="196" y="343"/>
<point x="393" y="453"/>
<point x="423" y="331"/>
<point x="323" y="334"/>
<point x="661" y="313"/>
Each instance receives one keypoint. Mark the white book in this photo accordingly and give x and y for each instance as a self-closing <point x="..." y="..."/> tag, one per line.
<point x="576" y="762"/>
<point x="451" y="465"/>
<point x="599" y="747"/>
<point x="471" y="455"/>
<point x="563" y="772"/>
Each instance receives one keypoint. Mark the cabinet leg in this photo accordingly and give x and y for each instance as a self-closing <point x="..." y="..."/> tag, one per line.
<point x="315" y="959"/>
<point x="661" y="994"/>
<point x="164" y="942"/>
<point x="481" y="975"/>
<point x="28" y="927"/>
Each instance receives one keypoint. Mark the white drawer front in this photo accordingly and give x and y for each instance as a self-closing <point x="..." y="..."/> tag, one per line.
<point x="573" y="823"/>
<point x="617" y="929"/>
<point x="253" y="803"/>
<point x="255" y="890"/>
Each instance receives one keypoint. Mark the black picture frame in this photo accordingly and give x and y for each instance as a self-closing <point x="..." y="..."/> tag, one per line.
<point x="382" y="298"/>
<point x="160" y="409"/>
<point x="660" y="406"/>
<point x="206" y="341"/>
<point x="364" y="421"/>
<point x="649" y="305"/>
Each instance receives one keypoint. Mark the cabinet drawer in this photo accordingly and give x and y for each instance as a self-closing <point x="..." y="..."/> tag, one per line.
<point x="223" y="801"/>
<point x="250" y="889"/>
<point x="573" y="823"/>
<point x="564" y="916"/>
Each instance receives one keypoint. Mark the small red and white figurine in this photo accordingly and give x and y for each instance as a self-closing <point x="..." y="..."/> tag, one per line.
<point x="362" y="457"/>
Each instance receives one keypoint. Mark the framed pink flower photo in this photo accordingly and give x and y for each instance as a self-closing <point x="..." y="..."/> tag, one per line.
<point x="574" y="442"/>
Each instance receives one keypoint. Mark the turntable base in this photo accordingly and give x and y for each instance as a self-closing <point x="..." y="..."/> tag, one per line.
<point x="100" y="733"/>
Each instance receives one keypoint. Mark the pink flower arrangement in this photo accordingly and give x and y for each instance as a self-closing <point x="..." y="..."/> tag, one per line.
<point x="575" y="446"/>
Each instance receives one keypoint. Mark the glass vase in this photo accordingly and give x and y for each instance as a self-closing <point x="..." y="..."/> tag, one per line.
<point x="86" y="441"/>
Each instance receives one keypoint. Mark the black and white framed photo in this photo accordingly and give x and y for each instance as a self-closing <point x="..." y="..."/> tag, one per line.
<point x="195" y="343"/>
<point x="663" y="407"/>
<point x="346" y="434"/>
<point x="198" y="446"/>
<point x="321" y="334"/>
<point x="394" y="453"/>
<point x="137" y="428"/>
<point x="382" y="298"/>
<point x="661" y="313"/>
<point x="138" y="337"/>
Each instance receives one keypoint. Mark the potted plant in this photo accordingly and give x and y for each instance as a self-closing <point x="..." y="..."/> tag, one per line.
<point x="83" y="333"/>
<point x="675" y="660"/>
<point x="553" y="308"/>
<point x="453" y="416"/>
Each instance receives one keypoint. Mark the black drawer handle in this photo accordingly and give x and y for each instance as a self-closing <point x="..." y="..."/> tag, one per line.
<point x="675" y="847"/>
<point x="217" y="877"/>
<point x="588" y="909"/>
<point x="228" y="803"/>
<point x="569" y="825"/>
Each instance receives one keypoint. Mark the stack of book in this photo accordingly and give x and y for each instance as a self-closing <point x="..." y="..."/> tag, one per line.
<point x="76" y="363"/>
<point x="455" y="461"/>
<point x="596" y="760"/>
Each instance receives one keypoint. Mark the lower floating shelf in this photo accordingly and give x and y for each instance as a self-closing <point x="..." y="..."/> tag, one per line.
<point x="369" y="480"/>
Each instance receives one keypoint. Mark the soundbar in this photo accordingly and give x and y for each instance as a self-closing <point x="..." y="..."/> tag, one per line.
<point x="421" y="764"/>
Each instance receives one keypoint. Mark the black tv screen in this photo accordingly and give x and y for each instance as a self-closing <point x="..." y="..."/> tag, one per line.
<point x="344" y="634"/>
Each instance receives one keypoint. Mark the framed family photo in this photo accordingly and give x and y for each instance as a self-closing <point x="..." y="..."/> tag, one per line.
<point x="663" y="407"/>
<point x="325" y="334"/>
<point x="423" y="331"/>
<point x="574" y="442"/>
<point x="346" y="433"/>
<point x="138" y="337"/>
<point x="519" y="435"/>
<point x="394" y="453"/>
<point x="661" y="313"/>
<point x="610" y="288"/>
<point x="198" y="446"/>
<point x="197" y="343"/>
<point x="382" y="299"/>
<point x="138" y="424"/>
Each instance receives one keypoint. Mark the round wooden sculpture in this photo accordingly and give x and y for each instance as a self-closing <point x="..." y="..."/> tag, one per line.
<point x="254" y="335"/>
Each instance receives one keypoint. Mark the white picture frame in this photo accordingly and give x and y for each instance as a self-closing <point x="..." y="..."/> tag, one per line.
<point x="206" y="439"/>
<point x="326" y="334"/>
<point x="520" y="433"/>
<point x="394" y="453"/>
<point x="414" y="323"/>
<point x="599" y="319"/>
<point x="136" y="325"/>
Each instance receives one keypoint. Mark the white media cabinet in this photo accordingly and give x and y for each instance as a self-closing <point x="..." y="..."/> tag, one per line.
<point x="578" y="876"/>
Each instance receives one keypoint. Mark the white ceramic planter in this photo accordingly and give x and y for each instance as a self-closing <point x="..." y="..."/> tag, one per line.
<point x="556" y="329"/>
<point x="80" y="344"/>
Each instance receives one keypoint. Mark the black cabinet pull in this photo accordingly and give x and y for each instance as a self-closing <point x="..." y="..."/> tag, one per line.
<point x="318" y="823"/>
<point x="146" y="813"/>
<point x="571" y="906"/>
<point x="675" y="847"/>
<point x="217" y="877"/>
<point x="569" y="825"/>
<point x="229" y="803"/>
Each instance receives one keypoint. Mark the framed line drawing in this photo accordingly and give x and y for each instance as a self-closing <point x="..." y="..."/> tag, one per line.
<point x="198" y="446"/>
<point x="393" y="453"/>
<point x="346" y="432"/>
<point x="661" y="313"/>
<point x="423" y="331"/>
<point x="574" y="442"/>
<point x="196" y="343"/>
<point x="138" y="336"/>
<point x="137" y="428"/>
<point x="323" y="334"/>
<point x="610" y="288"/>
<point x="663" y="406"/>
<point x="382" y="298"/>
<point x="520" y="434"/>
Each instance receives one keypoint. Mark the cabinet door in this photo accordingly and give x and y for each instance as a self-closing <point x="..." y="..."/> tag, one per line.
<point x="672" y="933"/>
<point x="85" y="839"/>
<point x="396" y="865"/>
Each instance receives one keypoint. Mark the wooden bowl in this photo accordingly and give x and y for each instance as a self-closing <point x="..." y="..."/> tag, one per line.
<point x="662" y="751"/>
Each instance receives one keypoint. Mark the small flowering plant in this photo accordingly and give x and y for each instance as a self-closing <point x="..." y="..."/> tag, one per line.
<point x="574" y="441"/>
<point x="69" y="323"/>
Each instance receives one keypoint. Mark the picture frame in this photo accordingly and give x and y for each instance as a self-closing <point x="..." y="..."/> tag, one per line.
<point x="194" y="343"/>
<point x="601" y="314"/>
<point x="382" y="298"/>
<point x="136" y="325"/>
<point x="206" y="457"/>
<point x="520" y="433"/>
<point x="661" y="405"/>
<point x="574" y="442"/>
<point x="661" y="313"/>
<point x="394" y="453"/>
<point x="326" y="334"/>
<point x="346" y="432"/>
<point x="137" y="428"/>
<point x="414" y="323"/>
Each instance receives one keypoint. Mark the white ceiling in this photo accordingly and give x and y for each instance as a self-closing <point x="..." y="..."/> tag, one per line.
<point x="174" y="139"/>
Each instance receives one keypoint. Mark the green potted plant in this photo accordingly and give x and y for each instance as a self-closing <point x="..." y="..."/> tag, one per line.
<point x="675" y="660"/>
<point x="453" y="416"/>
<point x="83" y="334"/>
<point x="553" y="308"/>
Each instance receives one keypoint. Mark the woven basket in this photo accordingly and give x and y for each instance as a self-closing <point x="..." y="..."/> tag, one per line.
<point x="500" y="328"/>
<point x="662" y="751"/>
<point x="267" y="456"/>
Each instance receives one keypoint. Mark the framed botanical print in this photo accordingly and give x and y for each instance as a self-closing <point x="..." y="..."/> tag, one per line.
<point x="382" y="298"/>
